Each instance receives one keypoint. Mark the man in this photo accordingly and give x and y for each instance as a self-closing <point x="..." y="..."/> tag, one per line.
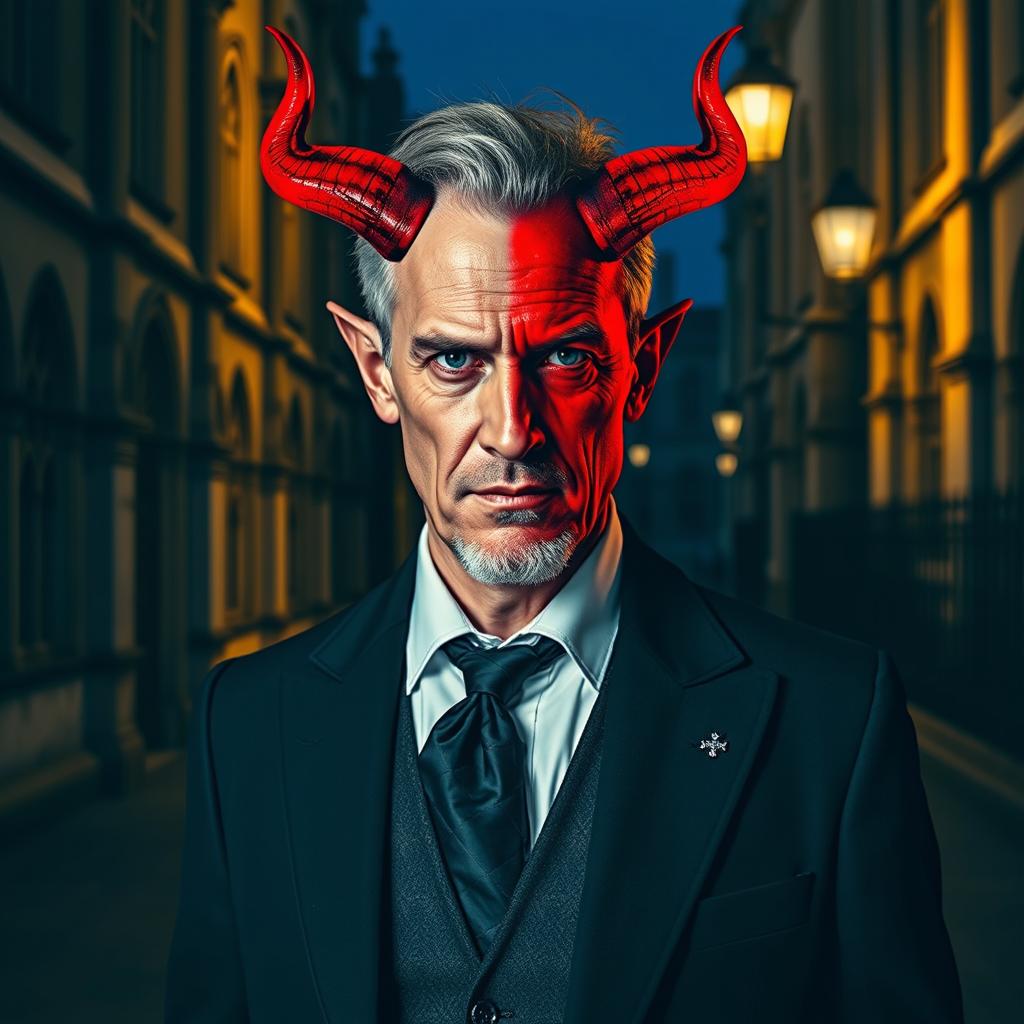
<point x="538" y="774"/>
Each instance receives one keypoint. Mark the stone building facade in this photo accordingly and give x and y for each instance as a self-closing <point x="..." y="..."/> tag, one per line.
<point x="902" y="393"/>
<point x="188" y="464"/>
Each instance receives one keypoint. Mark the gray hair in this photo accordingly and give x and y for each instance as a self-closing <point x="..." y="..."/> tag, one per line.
<point x="503" y="159"/>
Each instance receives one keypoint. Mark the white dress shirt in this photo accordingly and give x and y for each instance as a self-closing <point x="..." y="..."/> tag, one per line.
<point x="555" y="703"/>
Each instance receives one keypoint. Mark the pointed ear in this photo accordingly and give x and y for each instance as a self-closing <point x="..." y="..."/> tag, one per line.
<point x="364" y="342"/>
<point x="656" y="336"/>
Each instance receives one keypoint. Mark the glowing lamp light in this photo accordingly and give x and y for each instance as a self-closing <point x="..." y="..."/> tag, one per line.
<point x="844" y="228"/>
<point x="728" y="423"/>
<point x="639" y="455"/>
<point x="726" y="463"/>
<point x="760" y="96"/>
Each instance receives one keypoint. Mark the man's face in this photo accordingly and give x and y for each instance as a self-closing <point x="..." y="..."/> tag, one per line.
<point x="511" y="367"/>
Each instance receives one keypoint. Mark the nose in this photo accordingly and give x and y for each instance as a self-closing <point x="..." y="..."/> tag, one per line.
<point x="507" y="422"/>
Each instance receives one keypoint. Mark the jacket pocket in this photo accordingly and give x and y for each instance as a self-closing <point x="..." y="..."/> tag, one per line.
<point x="748" y="913"/>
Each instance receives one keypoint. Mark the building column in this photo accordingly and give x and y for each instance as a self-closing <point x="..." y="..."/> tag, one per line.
<point x="109" y="726"/>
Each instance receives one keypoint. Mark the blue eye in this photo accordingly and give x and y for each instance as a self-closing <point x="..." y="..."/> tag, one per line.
<point x="570" y="352"/>
<point x="445" y="357"/>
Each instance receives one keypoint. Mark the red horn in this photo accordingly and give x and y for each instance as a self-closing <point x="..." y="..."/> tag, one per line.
<point x="374" y="195"/>
<point x="638" y="192"/>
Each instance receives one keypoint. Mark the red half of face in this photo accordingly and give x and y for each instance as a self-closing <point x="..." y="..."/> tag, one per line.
<point x="566" y="317"/>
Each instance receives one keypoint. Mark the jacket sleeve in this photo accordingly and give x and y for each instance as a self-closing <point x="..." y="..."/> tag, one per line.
<point x="205" y="984"/>
<point x="895" y="960"/>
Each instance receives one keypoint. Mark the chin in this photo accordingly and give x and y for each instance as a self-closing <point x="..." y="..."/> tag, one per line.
<point x="502" y="561"/>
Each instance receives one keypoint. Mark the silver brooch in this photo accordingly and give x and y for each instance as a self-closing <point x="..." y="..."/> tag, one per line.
<point x="714" y="744"/>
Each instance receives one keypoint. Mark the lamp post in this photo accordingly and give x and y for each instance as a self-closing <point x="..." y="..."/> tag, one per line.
<point x="728" y="422"/>
<point x="760" y="96"/>
<point x="844" y="227"/>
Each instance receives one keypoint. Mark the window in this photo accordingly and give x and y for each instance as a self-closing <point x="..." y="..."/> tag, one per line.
<point x="291" y="268"/>
<point x="929" y="413"/>
<point x="237" y="598"/>
<point x="233" y="543"/>
<point x="29" y="68"/>
<point x="231" y="128"/>
<point x="147" y="96"/>
<point x="48" y="383"/>
<point x="931" y="86"/>
<point x="1017" y="84"/>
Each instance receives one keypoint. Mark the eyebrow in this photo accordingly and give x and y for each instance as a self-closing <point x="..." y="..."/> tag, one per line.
<point x="441" y="343"/>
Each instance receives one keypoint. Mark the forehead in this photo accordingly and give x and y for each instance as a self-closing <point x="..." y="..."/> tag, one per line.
<point x="472" y="268"/>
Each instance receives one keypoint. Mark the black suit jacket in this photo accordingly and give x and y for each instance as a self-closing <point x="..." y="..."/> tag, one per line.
<point x="794" y="877"/>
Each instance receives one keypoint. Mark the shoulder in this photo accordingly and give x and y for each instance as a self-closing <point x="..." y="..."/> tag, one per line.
<point x="241" y="685"/>
<point x="832" y="674"/>
<point x="789" y="646"/>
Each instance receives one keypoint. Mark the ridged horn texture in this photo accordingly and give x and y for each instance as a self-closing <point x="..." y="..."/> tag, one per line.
<point x="374" y="195"/>
<point x="637" y="192"/>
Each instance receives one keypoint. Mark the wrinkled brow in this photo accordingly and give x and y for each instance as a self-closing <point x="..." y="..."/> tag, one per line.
<point x="434" y="342"/>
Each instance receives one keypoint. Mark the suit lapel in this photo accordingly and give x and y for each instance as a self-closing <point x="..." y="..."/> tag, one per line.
<point x="662" y="804"/>
<point x="338" y="725"/>
<point x="661" y="810"/>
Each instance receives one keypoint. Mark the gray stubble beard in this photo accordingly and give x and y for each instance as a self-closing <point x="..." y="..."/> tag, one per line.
<point x="526" y="566"/>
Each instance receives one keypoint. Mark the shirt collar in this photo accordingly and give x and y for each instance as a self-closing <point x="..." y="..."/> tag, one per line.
<point x="583" y="616"/>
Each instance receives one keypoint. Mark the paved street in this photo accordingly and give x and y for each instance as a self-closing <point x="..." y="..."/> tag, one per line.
<point x="89" y="904"/>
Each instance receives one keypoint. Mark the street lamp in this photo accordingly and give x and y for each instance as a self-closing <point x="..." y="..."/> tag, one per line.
<point x="726" y="463"/>
<point x="760" y="96"/>
<point x="844" y="226"/>
<point x="639" y="455"/>
<point x="727" y="421"/>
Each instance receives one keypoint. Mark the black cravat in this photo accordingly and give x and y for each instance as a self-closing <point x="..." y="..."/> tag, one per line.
<point x="473" y="769"/>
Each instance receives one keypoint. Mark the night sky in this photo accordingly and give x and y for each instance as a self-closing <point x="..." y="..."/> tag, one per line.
<point x="631" y="63"/>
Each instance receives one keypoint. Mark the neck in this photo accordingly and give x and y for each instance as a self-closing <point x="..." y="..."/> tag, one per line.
<point x="501" y="610"/>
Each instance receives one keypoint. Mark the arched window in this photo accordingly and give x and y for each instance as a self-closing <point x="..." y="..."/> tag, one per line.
<point x="231" y="141"/>
<point x="45" y="516"/>
<point x="238" y="575"/>
<point x="929" y="416"/>
<point x="147" y="96"/>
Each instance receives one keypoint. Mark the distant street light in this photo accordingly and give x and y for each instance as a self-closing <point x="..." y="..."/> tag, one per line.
<point x="639" y="455"/>
<point x="726" y="463"/>
<point x="727" y="421"/>
<point x="760" y="96"/>
<point x="844" y="226"/>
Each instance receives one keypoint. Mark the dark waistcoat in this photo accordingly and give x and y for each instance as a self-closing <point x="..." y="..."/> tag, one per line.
<point x="432" y="972"/>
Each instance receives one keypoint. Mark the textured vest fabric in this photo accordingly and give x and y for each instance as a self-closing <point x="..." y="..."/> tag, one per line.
<point x="432" y="972"/>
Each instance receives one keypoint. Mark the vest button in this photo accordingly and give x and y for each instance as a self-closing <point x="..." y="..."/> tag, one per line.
<point x="484" y="1012"/>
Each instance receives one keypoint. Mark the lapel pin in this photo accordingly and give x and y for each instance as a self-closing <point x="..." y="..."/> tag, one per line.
<point x="714" y="744"/>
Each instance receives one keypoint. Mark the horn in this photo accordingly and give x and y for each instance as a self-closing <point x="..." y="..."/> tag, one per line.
<point x="637" y="192"/>
<point x="374" y="195"/>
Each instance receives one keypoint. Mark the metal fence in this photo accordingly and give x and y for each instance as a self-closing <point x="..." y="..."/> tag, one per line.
<point x="940" y="585"/>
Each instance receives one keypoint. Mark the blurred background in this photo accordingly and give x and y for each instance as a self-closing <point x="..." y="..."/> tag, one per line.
<point x="190" y="469"/>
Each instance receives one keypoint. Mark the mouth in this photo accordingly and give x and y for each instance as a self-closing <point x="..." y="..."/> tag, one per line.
<point x="516" y="497"/>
